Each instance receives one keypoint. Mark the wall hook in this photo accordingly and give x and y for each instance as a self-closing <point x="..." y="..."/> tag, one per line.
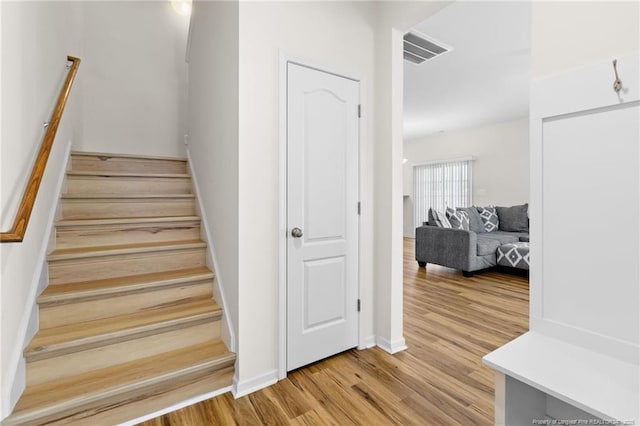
<point x="617" y="84"/>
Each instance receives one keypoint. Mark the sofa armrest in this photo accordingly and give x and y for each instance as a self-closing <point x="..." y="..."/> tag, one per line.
<point x="454" y="248"/>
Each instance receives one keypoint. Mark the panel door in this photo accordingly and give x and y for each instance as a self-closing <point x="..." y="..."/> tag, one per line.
<point x="322" y="214"/>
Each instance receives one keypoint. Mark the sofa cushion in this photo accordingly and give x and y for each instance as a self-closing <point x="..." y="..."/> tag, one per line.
<point x="431" y="217"/>
<point x="521" y="236"/>
<point x="514" y="219"/>
<point x="438" y="218"/>
<point x="475" y="221"/>
<point x="487" y="245"/>
<point x="489" y="218"/>
<point x="502" y="237"/>
<point x="459" y="219"/>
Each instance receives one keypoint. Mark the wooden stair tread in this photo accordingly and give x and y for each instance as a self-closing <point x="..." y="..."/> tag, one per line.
<point x="78" y="391"/>
<point x="123" y="196"/>
<point x="125" y="221"/>
<point x="80" y="336"/>
<point x="128" y="174"/>
<point x="132" y="156"/>
<point x="113" y="250"/>
<point x="65" y="293"/>
<point x="147" y="330"/>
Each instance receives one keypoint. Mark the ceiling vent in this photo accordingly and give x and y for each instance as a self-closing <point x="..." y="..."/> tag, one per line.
<point x="418" y="49"/>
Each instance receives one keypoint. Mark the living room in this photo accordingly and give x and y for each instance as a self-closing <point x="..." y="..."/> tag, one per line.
<point x="467" y="132"/>
<point x="466" y="151"/>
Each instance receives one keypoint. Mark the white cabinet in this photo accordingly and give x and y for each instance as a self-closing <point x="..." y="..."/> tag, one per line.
<point x="585" y="249"/>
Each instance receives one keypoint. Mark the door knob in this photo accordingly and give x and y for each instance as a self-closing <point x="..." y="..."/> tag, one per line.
<point x="296" y="232"/>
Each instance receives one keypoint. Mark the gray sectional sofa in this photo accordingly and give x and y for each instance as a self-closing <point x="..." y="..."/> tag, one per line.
<point x="474" y="249"/>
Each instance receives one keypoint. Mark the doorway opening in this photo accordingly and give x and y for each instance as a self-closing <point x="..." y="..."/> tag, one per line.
<point x="466" y="186"/>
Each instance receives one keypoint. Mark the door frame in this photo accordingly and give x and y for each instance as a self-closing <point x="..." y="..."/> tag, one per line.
<point x="365" y="318"/>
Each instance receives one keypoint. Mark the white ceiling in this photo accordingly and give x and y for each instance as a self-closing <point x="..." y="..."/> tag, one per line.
<point x="484" y="79"/>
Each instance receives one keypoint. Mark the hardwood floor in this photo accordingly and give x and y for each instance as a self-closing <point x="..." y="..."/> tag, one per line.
<point x="451" y="322"/>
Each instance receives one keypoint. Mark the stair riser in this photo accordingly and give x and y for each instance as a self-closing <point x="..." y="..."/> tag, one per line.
<point x="122" y="304"/>
<point x="106" y="356"/>
<point x="122" y="185"/>
<point x="81" y="163"/>
<point x="121" y="208"/>
<point x="90" y="236"/>
<point x="158" y="401"/>
<point x="120" y="398"/>
<point x="95" y="268"/>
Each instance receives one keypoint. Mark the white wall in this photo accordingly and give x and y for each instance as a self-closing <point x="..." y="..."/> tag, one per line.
<point x="334" y="34"/>
<point x="394" y="18"/>
<point x="501" y="168"/>
<point x="598" y="30"/>
<point x="36" y="39"/>
<point x="213" y="135"/>
<point x="134" y="78"/>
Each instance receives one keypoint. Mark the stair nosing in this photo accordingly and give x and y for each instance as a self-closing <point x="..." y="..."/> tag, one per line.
<point x="113" y="250"/>
<point x="123" y="335"/>
<point x="220" y="362"/>
<point x="127" y="156"/>
<point x="124" y="196"/>
<point x="78" y="296"/>
<point x="105" y="174"/>
<point x="125" y="220"/>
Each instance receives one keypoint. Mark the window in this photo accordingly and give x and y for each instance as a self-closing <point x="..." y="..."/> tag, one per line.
<point x="440" y="185"/>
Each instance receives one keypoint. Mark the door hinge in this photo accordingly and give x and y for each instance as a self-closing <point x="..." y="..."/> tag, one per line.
<point x="359" y="110"/>
<point x="358" y="305"/>
<point x="358" y="208"/>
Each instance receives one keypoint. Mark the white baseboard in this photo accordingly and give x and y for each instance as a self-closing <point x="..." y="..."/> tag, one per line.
<point x="177" y="406"/>
<point x="228" y="330"/>
<point x="391" y="346"/>
<point x="246" y="387"/>
<point x="367" y="342"/>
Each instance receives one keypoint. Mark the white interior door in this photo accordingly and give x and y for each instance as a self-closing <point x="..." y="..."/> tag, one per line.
<point x="322" y="214"/>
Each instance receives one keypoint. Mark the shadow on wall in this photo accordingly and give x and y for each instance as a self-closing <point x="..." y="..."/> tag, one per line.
<point x="407" y="207"/>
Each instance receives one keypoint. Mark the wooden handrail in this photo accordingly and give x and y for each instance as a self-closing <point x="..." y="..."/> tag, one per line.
<point x="16" y="234"/>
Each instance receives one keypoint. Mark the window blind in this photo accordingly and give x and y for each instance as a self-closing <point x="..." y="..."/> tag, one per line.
<point x="440" y="185"/>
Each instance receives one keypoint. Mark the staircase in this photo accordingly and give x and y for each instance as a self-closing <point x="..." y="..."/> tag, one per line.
<point x="128" y="324"/>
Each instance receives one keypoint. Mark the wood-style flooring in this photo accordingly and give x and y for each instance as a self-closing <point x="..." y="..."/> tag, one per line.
<point x="450" y="323"/>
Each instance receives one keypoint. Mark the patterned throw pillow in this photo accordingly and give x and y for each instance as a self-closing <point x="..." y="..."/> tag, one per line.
<point x="439" y="218"/>
<point x="489" y="217"/>
<point x="459" y="219"/>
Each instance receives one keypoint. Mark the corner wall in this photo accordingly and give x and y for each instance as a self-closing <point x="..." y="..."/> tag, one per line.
<point x="213" y="135"/>
<point x="134" y="78"/>
<point x="393" y="19"/>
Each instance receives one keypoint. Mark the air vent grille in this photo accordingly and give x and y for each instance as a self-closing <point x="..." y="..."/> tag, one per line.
<point x="418" y="49"/>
